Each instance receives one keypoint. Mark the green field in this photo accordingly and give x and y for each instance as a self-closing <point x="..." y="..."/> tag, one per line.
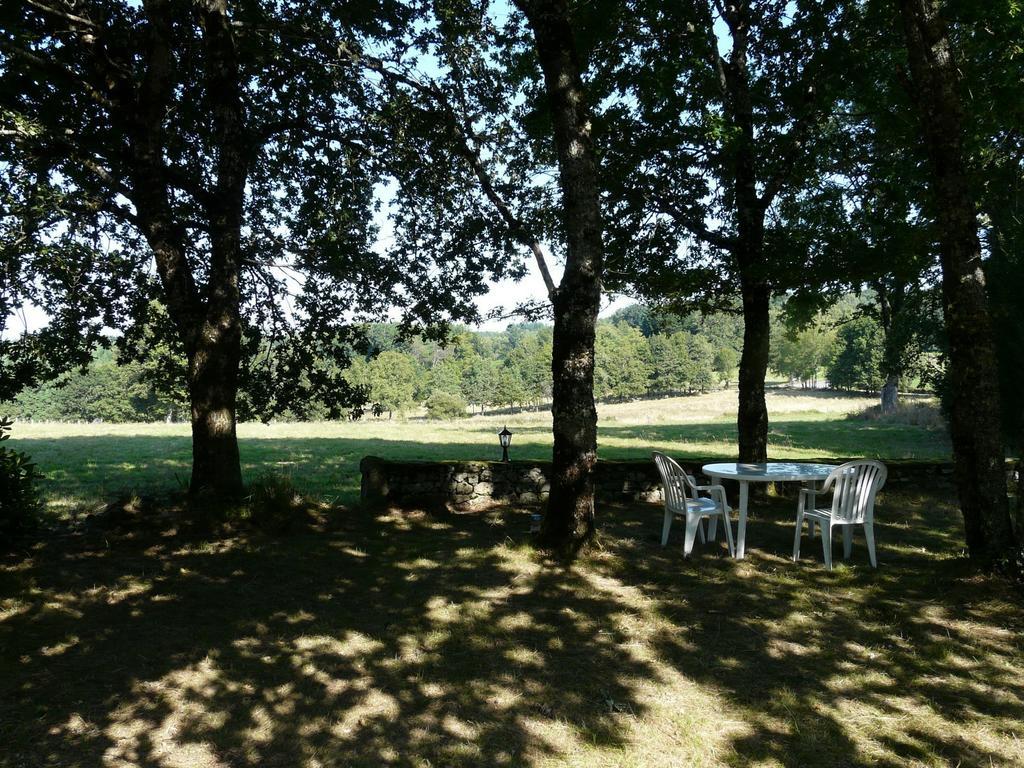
<point x="86" y="464"/>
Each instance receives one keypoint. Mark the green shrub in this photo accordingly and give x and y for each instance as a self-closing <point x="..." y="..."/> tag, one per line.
<point x="274" y="504"/>
<point x="444" y="405"/>
<point x="19" y="493"/>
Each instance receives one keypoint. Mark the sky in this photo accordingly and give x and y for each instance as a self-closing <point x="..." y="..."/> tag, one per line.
<point x="508" y="293"/>
<point x="504" y="293"/>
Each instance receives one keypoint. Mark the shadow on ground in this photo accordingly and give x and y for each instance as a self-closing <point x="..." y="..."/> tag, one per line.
<point x="411" y="639"/>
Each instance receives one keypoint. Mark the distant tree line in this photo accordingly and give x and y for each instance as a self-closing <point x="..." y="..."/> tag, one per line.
<point x="640" y="353"/>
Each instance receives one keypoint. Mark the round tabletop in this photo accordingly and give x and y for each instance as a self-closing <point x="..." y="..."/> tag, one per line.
<point x="772" y="472"/>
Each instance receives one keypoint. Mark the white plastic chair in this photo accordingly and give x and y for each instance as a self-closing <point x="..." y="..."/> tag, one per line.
<point x="853" y="503"/>
<point x="694" y="508"/>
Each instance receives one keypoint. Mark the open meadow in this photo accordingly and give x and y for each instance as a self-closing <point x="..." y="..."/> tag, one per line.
<point x="85" y="464"/>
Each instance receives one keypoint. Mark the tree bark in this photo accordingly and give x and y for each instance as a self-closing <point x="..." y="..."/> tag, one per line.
<point x="890" y="303"/>
<point x="209" y="326"/>
<point x="975" y="427"/>
<point x="752" y="414"/>
<point x="752" y="411"/>
<point x="890" y="393"/>
<point x="213" y="388"/>
<point x="569" y="521"/>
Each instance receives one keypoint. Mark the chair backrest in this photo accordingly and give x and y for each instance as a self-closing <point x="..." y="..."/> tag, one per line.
<point x="674" y="480"/>
<point x="856" y="483"/>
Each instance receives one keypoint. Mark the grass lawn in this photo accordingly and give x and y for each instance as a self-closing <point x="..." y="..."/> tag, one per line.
<point x="410" y="639"/>
<point x="86" y="463"/>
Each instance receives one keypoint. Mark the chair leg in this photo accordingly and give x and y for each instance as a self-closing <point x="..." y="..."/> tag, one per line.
<point x="869" y="537"/>
<point x="666" y="526"/>
<point x="712" y="528"/>
<point x="810" y="528"/>
<point x="700" y="530"/>
<point x="692" y="528"/>
<point x="728" y="534"/>
<point x="797" y="533"/>
<point x="826" y="544"/>
<point x="847" y="541"/>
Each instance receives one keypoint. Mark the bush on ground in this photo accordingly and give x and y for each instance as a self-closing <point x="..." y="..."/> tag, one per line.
<point x="19" y="492"/>
<point x="274" y="504"/>
<point x="444" y="405"/>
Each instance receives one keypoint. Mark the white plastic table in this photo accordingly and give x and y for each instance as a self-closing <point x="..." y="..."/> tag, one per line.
<point x="772" y="472"/>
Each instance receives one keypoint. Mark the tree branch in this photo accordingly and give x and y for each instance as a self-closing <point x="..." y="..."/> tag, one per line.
<point x="693" y="225"/>
<point x="467" y="141"/>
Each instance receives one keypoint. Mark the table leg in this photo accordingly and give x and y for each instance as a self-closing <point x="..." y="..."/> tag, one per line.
<point x="812" y="501"/>
<point x="741" y="533"/>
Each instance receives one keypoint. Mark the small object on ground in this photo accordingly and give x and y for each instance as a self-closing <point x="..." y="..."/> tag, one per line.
<point x="535" y="521"/>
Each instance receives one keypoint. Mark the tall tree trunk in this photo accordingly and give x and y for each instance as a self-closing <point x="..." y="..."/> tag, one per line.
<point x="208" y="325"/>
<point x="889" y="303"/>
<point x="752" y="411"/>
<point x="569" y="522"/>
<point x="213" y="364"/>
<point x="752" y="414"/>
<point x="213" y="387"/>
<point x="975" y="426"/>
<point x="890" y="393"/>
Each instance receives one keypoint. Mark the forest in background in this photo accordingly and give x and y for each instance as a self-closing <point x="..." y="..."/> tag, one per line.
<point x="640" y="353"/>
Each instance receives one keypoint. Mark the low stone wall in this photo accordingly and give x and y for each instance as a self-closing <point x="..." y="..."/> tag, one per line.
<point x="478" y="484"/>
<point x="473" y="485"/>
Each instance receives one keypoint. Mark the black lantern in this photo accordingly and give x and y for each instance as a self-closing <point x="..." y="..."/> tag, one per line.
<point x="506" y="439"/>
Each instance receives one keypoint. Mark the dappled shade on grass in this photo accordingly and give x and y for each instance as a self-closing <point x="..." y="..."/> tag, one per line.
<point x="408" y="638"/>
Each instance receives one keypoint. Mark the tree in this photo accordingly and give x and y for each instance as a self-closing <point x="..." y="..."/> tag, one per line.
<point x="638" y="316"/>
<point x="105" y="391"/>
<point x="391" y="378"/>
<point x="701" y="356"/>
<point x="800" y="353"/>
<point x="974" y="404"/>
<point x="509" y="388"/>
<point x="480" y="382"/>
<point x="218" y="158"/>
<point x="444" y="405"/>
<point x="446" y="376"/>
<point x="623" y="362"/>
<point x="721" y="125"/>
<point x="569" y="522"/>
<point x="857" y="363"/>
<point x="1005" y="272"/>
<point x="87" y="98"/>
<point x="531" y="356"/>
<point x="671" y="370"/>
<point x="726" y="360"/>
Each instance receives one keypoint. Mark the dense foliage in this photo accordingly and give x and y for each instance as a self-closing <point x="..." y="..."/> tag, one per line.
<point x="19" y="495"/>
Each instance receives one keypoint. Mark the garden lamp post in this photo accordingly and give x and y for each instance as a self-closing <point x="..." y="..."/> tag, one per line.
<point x="506" y="439"/>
